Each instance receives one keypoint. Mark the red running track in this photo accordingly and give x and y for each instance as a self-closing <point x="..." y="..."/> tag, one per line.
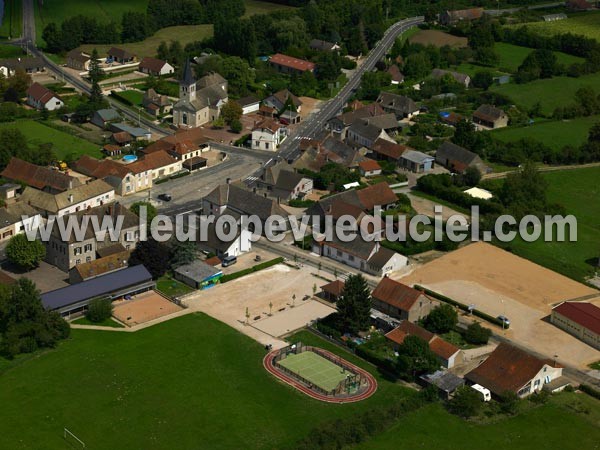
<point x="372" y="383"/>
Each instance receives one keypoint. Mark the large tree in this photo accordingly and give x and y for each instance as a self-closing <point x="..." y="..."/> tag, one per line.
<point x="25" y="253"/>
<point x="95" y="74"/>
<point x="231" y="111"/>
<point x="354" y="304"/>
<point x="415" y="358"/>
<point x="182" y="253"/>
<point x="441" y="319"/>
<point x="153" y="255"/>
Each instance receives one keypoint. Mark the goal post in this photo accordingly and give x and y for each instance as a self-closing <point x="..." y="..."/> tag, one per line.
<point x="71" y="438"/>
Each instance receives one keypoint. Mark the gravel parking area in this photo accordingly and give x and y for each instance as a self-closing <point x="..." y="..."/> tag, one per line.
<point x="254" y="293"/>
<point x="144" y="308"/>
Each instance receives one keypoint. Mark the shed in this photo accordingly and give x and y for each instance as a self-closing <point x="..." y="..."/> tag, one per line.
<point x="198" y="275"/>
<point x="446" y="382"/>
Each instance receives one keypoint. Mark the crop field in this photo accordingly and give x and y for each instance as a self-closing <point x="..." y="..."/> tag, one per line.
<point x="437" y="38"/>
<point x="511" y="56"/>
<point x="12" y="22"/>
<point x="578" y="191"/>
<point x="551" y="92"/>
<point x="554" y="134"/>
<point x="63" y="143"/>
<point x="587" y="24"/>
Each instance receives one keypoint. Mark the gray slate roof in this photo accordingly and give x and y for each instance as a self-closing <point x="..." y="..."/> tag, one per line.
<point x="198" y="271"/>
<point x="416" y="156"/>
<point x="445" y="381"/>
<point x="451" y="151"/>
<point x="244" y="201"/>
<point x="400" y="104"/>
<point x="100" y="286"/>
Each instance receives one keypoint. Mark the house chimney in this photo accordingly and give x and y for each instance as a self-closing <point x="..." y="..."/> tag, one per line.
<point x="228" y="181"/>
<point x="70" y="198"/>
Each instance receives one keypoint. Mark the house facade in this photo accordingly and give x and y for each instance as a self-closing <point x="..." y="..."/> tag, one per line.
<point x="155" y="67"/>
<point x="401" y="301"/>
<point x="581" y="319"/>
<point x="40" y="97"/>
<point x="490" y="117"/>
<point x="268" y="135"/>
<point x="13" y="223"/>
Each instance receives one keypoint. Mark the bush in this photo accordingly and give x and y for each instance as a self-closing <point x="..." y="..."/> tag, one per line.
<point x="509" y="403"/>
<point x="589" y="390"/>
<point x="466" y="402"/>
<point x="441" y="319"/>
<point x="99" y="310"/>
<point x="477" y="335"/>
<point x="25" y="253"/>
<point x="241" y="273"/>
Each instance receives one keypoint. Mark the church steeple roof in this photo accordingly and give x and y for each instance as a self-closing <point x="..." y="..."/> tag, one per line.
<point x="188" y="74"/>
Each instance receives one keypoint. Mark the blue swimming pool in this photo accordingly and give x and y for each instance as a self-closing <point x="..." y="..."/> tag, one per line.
<point x="130" y="158"/>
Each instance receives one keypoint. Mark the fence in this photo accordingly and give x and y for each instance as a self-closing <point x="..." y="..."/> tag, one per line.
<point x="354" y="381"/>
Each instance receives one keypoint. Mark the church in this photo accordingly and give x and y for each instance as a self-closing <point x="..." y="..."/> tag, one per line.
<point x="200" y="101"/>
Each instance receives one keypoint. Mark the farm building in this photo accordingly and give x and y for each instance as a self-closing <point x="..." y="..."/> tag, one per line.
<point x="416" y="161"/>
<point x="457" y="159"/>
<point x="488" y="116"/>
<point x="290" y="65"/>
<point x="582" y="320"/>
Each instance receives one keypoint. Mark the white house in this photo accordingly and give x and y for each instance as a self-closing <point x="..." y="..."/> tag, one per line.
<point x="155" y="67"/>
<point x="249" y="104"/>
<point x="267" y="135"/>
<point x="12" y="222"/>
<point x="40" y="97"/>
<point x="91" y="195"/>
<point x="370" y="257"/>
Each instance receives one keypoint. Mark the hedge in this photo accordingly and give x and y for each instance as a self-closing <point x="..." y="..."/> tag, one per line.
<point x="119" y="97"/>
<point x="461" y="306"/>
<point x="241" y="273"/>
<point x="589" y="390"/>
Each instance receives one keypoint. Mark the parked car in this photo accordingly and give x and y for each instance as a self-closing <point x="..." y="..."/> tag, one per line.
<point x="504" y="320"/>
<point x="228" y="261"/>
<point x="165" y="197"/>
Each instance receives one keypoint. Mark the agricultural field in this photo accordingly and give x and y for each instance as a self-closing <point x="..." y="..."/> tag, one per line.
<point x="12" y="21"/>
<point x="578" y="191"/>
<point x="194" y="379"/>
<point x="587" y="24"/>
<point x="190" y="380"/>
<point x="554" y="423"/>
<point x="554" y="134"/>
<point x="184" y="34"/>
<point x="551" y="92"/>
<point x="63" y="143"/>
<point x="437" y="38"/>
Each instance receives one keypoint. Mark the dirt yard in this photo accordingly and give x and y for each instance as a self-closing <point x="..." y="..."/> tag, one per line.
<point x="143" y="308"/>
<point x="498" y="282"/>
<point x="437" y="38"/>
<point x="254" y="293"/>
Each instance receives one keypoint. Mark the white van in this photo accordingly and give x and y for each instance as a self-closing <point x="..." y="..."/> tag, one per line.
<point x="486" y="395"/>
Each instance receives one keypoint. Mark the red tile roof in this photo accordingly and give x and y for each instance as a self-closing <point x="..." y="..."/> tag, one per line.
<point x="152" y="161"/>
<point x="396" y="294"/>
<point x="37" y="176"/>
<point x="369" y="165"/>
<point x="293" y="63"/>
<point x="585" y="314"/>
<point x="407" y="328"/>
<point x="507" y="369"/>
<point x="152" y="64"/>
<point x="389" y="149"/>
<point x="379" y="194"/>
<point x="40" y="93"/>
<point x="442" y="348"/>
<point x="334" y="288"/>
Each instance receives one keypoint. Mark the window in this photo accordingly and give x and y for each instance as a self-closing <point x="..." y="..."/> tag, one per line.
<point x="87" y="248"/>
<point x="350" y="258"/>
<point x="77" y="251"/>
<point x="78" y="261"/>
<point x="88" y="258"/>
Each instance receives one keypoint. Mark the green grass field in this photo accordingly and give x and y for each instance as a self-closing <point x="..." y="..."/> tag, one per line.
<point x="172" y="288"/>
<point x="511" y="57"/>
<point x="578" y="191"/>
<point x="12" y="22"/>
<point x="587" y="24"/>
<point x="433" y="428"/>
<point x="192" y="382"/>
<point x="64" y="143"/>
<point x="316" y="369"/>
<point x="134" y="97"/>
<point x="554" y="134"/>
<point x="551" y="92"/>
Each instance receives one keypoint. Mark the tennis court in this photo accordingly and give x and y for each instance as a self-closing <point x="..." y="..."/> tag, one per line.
<point x="316" y="369"/>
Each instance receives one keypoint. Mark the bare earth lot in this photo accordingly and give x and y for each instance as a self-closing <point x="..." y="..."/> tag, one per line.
<point x="498" y="282"/>
<point x="144" y="308"/>
<point x="277" y="285"/>
<point x="437" y="38"/>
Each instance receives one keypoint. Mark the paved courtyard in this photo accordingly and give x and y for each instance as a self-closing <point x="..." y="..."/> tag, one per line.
<point x="267" y="291"/>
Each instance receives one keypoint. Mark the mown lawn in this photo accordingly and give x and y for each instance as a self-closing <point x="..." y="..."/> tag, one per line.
<point x="587" y="24"/>
<point x="548" y="426"/>
<point x="551" y="92"/>
<point x="511" y="56"/>
<point x="172" y="288"/>
<point x="135" y="97"/>
<point x="192" y="382"/>
<point x="554" y="134"/>
<point x="578" y="191"/>
<point x="63" y="143"/>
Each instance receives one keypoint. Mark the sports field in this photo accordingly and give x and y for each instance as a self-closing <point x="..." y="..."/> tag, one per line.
<point x="587" y="24"/>
<point x="316" y="369"/>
